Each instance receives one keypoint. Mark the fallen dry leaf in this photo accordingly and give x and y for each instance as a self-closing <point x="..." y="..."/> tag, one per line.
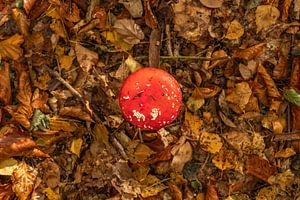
<point x="266" y="15"/>
<point x="8" y="166"/>
<point x="76" y="146"/>
<point x="212" y="3"/>
<point x="234" y="31"/>
<point x="128" y="31"/>
<point x="266" y="193"/>
<point x="151" y="186"/>
<point x="5" y="87"/>
<point x="23" y="180"/>
<point x="51" y="194"/>
<point x="225" y="159"/>
<point x="150" y="18"/>
<point x="240" y="95"/>
<point x="76" y="112"/>
<point x="285" y="153"/>
<point x="6" y="192"/>
<point x="211" y="193"/>
<point x="250" y="52"/>
<point x="193" y="122"/>
<point x="21" y="20"/>
<point x="210" y="142"/>
<point x="284" y="180"/>
<point x="14" y="143"/>
<point x="182" y="156"/>
<point x="260" y="168"/>
<point x="285" y="9"/>
<point x="135" y="7"/>
<point x="86" y="58"/>
<point x="69" y="11"/>
<point x="11" y="47"/>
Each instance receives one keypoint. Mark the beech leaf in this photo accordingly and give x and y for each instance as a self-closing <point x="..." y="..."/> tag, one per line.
<point x="292" y="96"/>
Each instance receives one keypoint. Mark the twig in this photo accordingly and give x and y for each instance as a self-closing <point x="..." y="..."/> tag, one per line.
<point x="187" y="57"/>
<point x="168" y="40"/>
<point x="287" y="137"/>
<point x="119" y="146"/>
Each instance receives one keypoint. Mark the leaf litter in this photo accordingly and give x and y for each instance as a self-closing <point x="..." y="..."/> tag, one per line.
<point x="62" y="135"/>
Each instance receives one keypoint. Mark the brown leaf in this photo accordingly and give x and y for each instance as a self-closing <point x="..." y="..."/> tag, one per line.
<point x="281" y="69"/>
<point x="295" y="76"/>
<point x="76" y="112"/>
<point x="28" y="4"/>
<point x="15" y="143"/>
<point x="23" y="180"/>
<point x="260" y="168"/>
<point x="285" y="9"/>
<point x="69" y="13"/>
<point x="150" y="18"/>
<point x="86" y="58"/>
<point x="217" y="63"/>
<point x="270" y="84"/>
<point x="211" y="193"/>
<point x="251" y="52"/>
<point x="175" y="191"/>
<point x="266" y="15"/>
<point x="135" y="7"/>
<point x="11" y="47"/>
<point x="6" y="192"/>
<point x="100" y="14"/>
<point x="128" y="31"/>
<point x="21" y="20"/>
<point x="234" y="31"/>
<point x="164" y="155"/>
<point x="240" y="96"/>
<point x="39" y="99"/>
<point x="238" y="140"/>
<point x="5" y="88"/>
<point x="225" y="159"/>
<point x="182" y="156"/>
<point x="58" y="28"/>
<point x="212" y="3"/>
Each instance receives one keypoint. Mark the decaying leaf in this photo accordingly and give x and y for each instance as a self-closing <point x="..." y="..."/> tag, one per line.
<point x="76" y="146"/>
<point x="150" y="18"/>
<point x="51" y="195"/>
<point x="238" y="140"/>
<point x="128" y="31"/>
<point x="212" y="3"/>
<point x="116" y="40"/>
<point x="271" y="86"/>
<point x="284" y="180"/>
<point x="76" y="112"/>
<point x="23" y="180"/>
<point x="21" y="20"/>
<point x="266" y="193"/>
<point x="14" y="143"/>
<point x="86" y="58"/>
<point x="135" y="7"/>
<point x="5" y="87"/>
<point x="266" y="15"/>
<point x="10" y="48"/>
<point x="6" y="192"/>
<point x="251" y="52"/>
<point x="182" y="156"/>
<point x="62" y="124"/>
<point x="234" y="31"/>
<point x="152" y="186"/>
<point x="225" y="159"/>
<point x="195" y="101"/>
<point x="285" y="153"/>
<point x="211" y="193"/>
<point x="240" y="96"/>
<point x="210" y="142"/>
<point x="8" y="166"/>
<point x="260" y="168"/>
<point x="193" y="123"/>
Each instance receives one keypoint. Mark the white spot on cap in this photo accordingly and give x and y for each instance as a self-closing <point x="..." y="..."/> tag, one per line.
<point x="172" y="85"/>
<point x="172" y="117"/>
<point x="138" y="115"/>
<point x="148" y="85"/>
<point x="173" y="105"/>
<point x="154" y="113"/>
<point x="126" y="97"/>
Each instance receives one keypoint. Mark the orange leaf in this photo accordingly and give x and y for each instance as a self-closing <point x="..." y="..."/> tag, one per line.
<point x="76" y="112"/>
<point x="14" y="143"/>
<point x="70" y="13"/>
<point x="150" y="18"/>
<point x="271" y="86"/>
<point x="285" y="9"/>
<point x="6" y="192"/>
<point x="211" y="193"/>
<point x="21" y="20"/>
<point x="5" y="89"/>
<point x="11" y="47"/>
<point x="251" y="52"/>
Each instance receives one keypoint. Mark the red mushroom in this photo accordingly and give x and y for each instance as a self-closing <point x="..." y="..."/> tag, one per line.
<point x="150" y="98"/>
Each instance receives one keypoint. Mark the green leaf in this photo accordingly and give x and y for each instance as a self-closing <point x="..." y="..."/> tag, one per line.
<point x="292" y="96"/>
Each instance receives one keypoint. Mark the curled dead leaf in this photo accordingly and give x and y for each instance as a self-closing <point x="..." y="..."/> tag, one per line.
<point x="234" y="31"/>
<point x="251" y="52"/>
<point x="23" y="180"/>
<point x="75" y="111"/>
<point x="182" y="156"/>
<point x="270" y="84"/>
<point x="212" y="3"/>
<point x="240" y="96"/>
<point x="10" y="47"/>
<point x="129" y="31"/>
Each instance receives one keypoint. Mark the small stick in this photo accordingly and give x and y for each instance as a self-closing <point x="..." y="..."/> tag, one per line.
<point x="287" y="137"/>
<point x="168" y="41"/>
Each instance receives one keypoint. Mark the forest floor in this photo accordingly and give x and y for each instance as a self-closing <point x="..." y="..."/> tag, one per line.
<point x="62" y="133"/>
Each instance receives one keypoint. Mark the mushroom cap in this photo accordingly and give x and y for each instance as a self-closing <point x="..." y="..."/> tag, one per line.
<point x="150" y="98"/>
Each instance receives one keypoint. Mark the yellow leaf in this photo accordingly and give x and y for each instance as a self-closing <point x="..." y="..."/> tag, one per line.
<point x="66" y="62"/>
<point x="8" y="166"/>
<point x="235" y="30"/>
<point x="225" y="159"/>
<point x="114" y="38"/>
<point x="101" y="134"/>
<point x="266" y="15"/>
<point x="285" y="153"/>
<point x="210" y="142"/>
<point x="11" y="47"/>
<point x="284" y="180"/>
<point x="57" y="27"/>
<point x="194" y="104"/>
<point x="152" y="186"/>
<point x="266" y="193"/>
<point x="51" y="195"/>
<point x="141" y="173"/>
<point x="193" y="122"/>
<point x="76" y="146"/>
<point x="61" y="124"/>
<point x="53" y="13"/>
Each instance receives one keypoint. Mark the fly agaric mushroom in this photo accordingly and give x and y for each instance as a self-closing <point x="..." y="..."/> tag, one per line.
<point x="150" y="98"/>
